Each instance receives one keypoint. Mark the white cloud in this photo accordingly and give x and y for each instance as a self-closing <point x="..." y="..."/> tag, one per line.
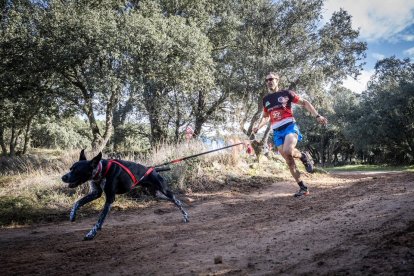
<point x="376" y="19"/>
<point x="409" y="53"/>
<point x="407" y="37"/>
<point x="378" y="56"/>
<point x="360" y="84"/>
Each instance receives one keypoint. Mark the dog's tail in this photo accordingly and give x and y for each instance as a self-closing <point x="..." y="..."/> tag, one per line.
<point x="162" y="169"/>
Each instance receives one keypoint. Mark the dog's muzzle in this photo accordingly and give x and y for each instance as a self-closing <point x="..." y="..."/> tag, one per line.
<point x="71" y="184"/>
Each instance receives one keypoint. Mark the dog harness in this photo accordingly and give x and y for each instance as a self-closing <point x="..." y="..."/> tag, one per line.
<point x="128" y="171"/>
<point x="98" y="171"/>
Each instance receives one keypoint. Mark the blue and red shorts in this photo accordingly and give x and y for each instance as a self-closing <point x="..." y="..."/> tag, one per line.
<point x="280" y="133"/>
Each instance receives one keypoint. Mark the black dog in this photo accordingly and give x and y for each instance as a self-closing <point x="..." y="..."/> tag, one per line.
<point x="113" y="177"/>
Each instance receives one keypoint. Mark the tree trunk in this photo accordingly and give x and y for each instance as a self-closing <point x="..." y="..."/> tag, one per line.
<point x="119" y="117"/>
<point x="110" y="106"/>
<point x="177" y="124"/>
<point x="329" y="154"/>
<point x="322" y="151"/>
<point x="198" y="125"/>
<point x="203" y="113"/>
<point x="178" y="120"/>
<point x="158" y="135"/>
<point x="199" y="116"/>
<point x="12" y="145"/>
<point x="2" y="143"/>
<point x="98" y="141"/>
<point x="26" y="135"/>
<point x="14" y="140"/>
<point x="153" y="101"/>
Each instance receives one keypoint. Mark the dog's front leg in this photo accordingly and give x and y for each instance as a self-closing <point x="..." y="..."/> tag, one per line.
<point x="98" y="226"/>
<point x="95" y="192"/>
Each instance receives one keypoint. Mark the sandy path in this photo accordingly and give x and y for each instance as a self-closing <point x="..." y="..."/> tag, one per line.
<point x="356" y="224"/>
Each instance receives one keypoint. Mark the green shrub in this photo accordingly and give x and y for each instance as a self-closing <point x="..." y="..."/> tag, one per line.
<point x="71" y="133"/>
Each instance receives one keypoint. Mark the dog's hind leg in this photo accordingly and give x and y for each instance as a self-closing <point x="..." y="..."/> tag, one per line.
<point x="95" y="192"/>
<point x="178" y="203"/>
<point x="98" y="226"/>
<point x="161" y="186"/>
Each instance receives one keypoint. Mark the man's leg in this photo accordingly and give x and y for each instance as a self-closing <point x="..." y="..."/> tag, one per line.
<point x="289" y="153"/>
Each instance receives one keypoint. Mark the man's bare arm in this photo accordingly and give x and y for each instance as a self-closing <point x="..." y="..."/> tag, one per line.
<point x="309" y="107"/>
<point x="263" y="121"/>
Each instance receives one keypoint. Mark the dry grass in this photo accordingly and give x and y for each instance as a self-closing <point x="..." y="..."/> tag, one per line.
<point x="31" y="189"/>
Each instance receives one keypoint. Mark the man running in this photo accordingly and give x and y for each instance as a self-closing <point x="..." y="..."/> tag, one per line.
<point x="277" y="106"/>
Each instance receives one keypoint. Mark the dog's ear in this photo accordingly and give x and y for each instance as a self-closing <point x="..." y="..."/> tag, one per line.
<point x="96" y="159"/>
<point x="82" y="155"/>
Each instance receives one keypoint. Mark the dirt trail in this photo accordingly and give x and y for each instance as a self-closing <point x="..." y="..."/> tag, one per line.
<point x="350" y="224"/>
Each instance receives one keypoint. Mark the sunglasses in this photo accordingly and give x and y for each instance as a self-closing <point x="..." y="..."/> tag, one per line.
<point x="271" y="79"/>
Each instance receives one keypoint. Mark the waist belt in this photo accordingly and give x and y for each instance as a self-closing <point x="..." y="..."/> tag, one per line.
<point x="283" y="127"/>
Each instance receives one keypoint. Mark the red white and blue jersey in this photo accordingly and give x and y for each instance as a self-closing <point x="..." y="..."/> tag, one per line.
<point x="278" y="106"/>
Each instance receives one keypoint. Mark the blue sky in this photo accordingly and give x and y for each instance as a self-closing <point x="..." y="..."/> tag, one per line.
<point x="386" y="25"/>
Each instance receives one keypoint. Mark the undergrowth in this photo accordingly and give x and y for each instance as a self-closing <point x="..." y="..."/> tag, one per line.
<point x="351" y="168"/>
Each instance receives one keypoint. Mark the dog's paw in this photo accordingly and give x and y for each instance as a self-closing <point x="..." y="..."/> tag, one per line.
<point x="186" y="219"/>
<point x="90" y="235"/>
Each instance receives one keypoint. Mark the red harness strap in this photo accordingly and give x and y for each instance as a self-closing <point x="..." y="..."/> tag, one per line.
<point x="98" y="171"/>
<point x="133" y="178"/>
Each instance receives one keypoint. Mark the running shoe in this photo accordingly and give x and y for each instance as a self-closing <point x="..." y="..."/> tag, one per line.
<point x="302" y="192"/>
<point x="307" y="161"/>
